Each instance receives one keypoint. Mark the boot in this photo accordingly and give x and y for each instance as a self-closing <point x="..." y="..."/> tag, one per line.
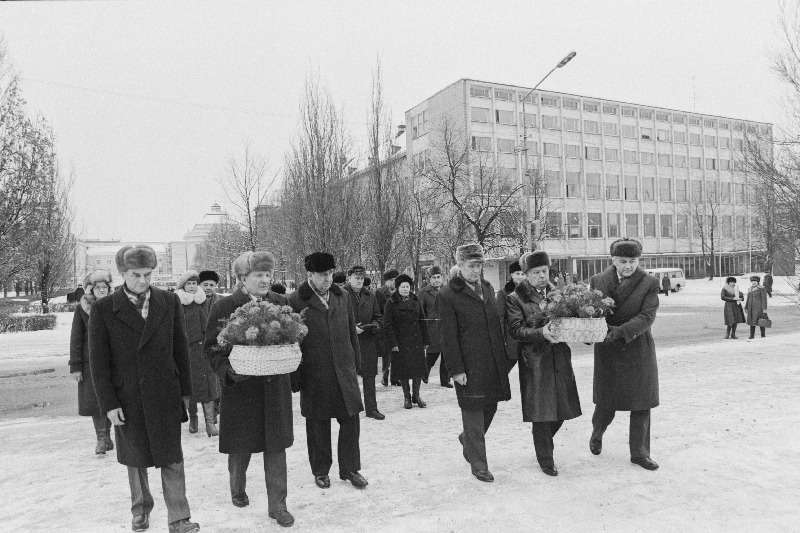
<point x="191" y="408"/>
<point x="728" y="333"/>
<point x="415" y="398"/>
<point x="100" y="433"/>
<point x="109" y="442"/>
<point x="406" y="394"/>
<point x="208" y="411"/>
<point x="733" y="332"/>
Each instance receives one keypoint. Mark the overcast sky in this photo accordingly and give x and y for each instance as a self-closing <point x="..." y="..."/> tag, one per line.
<point x="148" y="98"/>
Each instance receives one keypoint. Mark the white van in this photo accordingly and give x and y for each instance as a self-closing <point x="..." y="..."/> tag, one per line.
<point x="676" y="277"/>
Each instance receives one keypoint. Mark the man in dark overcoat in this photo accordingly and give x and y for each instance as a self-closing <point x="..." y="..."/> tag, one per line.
<point x="368" y="325"/>
<point x="208" y="282"/>
<point x="512" y="350"/>
<point x="256" y="414"/>
<point x="427" y="297"/>
<point x="474" y="352"/>
<point x="327" y="375"/>
<point x="382" y="295"/>
<point x="139" y="358"/>
<point x="625" y="369"/>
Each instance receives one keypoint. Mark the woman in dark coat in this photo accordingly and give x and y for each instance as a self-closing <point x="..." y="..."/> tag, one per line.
<point x="666" y="284"/>
<point x="407" y="335"/>
<point x="546" y="380"/>
<point x="733" y="309"/>
<point x="205" y="385"/>
<point x="756" y="305"/>
<point x="98" y="285"/>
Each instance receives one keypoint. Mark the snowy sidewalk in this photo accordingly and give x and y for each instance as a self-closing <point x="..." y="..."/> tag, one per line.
<point x="726" y="436"/>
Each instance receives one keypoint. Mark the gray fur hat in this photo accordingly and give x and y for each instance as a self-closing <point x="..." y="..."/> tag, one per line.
<point x="133" y="257"/>
<point x="95" y="277"/>
<point x="535" y="259"/>
<point x="251" y="261"/>
<point x="626" y="248"/>
<point x="469" y="252"/>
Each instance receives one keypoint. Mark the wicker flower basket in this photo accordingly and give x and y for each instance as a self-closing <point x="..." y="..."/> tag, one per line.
<point x="579" y="329"/>
<point x="265" y="360"/>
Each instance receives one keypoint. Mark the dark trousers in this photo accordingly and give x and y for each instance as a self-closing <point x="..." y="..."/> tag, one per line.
<point x="173" y="483"/>
<point x="318" y="438"/>
<point x="731" y="330"/>
<point x="638" y="433"/>
<point x="370" y="401"/>
<point x="543" y="433"/>
<point x="753" y="331"/>
<point x="274" y="475"/>
<point x="476" y="424"/>
<point x="444" y="375"/>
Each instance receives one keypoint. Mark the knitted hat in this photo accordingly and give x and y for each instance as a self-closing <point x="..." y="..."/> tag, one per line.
<point x="277" y="288"/>
<point x="319" y="262"/>
<point x="253" y="261"/>
<point x="434" y="270"/>
<point x="755" y="278"/>
<point x="209" y="275"/>
<point x="626" y="248"/>
<point x="469" y="252"/>
<point x="133" y="257"/>
<point x="403" y="278"/>
<point x="339" y="277"/>
<point x="514" y="267"/>
<point x="93" y="278"/>
<point x="530" y="260"/>
<point x="357" y="269"/>
<point x="390" y="274"/>
<point x="187" y="276"/>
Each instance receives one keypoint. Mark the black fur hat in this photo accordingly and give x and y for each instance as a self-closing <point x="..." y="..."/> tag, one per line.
<point x="339" y="277"/>
<point x="209" y="275"/>
<point x="535" y="259"/>
<point x="514" y="267"/>
<point x="434" y="270"/>
<point x="730" y="279"/>
<point x="390" y="274"/>
<point x="319" y="262"/>
<point x="403" y="278"/>
<point x="133" y="257"/>
<point x="626" y="248"/>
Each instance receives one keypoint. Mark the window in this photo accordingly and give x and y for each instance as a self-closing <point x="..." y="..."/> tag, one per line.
<point x="573" y="151"/>
<point x="592" y="107"/>
<point x="709" y="123"/>
<point x="711" y="141"/>
<point x="419" y="124"/>
<point x="551" y="101"/>
<point x="595" y="225"/>
<point x="726" y="226"/>
<point x="612" y="154"/>
<point x="694" y="162"/>
<point x="480" y="92"/>
<point x="609" y="128"/>
<point x="725" y="193"/>
<point x="610" y="109"/>
<point x="666" y="226"/>
<point x="506" y="178"/>
<point x="630" y="156"/>
<point x="553" y="227"/>
<point x="506" y="146"/>
<point x="612" y="187"/>
<point x="711" y="163"/>
<point x="482" y="144"/>
<point x="629" y="131"/>
<point x="570" y="103"/>
<point x="665" y="189"/>
<point x="530" y="120"/>
<point x="591" y="126"/>
<point x="683" y="226"/>
<point x="697" y="191"/>
<point x="679" y="137"/>
<point x="504" y="117"/>
<point x="593" y="153"/>
<point x="679" y="119"/>
<point x="647" y="133"/>
<point x="527" y="98"/>
<point x="574" y="226"/>
<point x="741" y="226"/>
<point x="481" y="114"/>
<point x="724" y="142"/>
<point x="738" y="144"/>
<point x="751" y="128"/>
<point x="550" y="122"/>
<point x="573" y="184"/>
<point x="632" y="225"/>
<point x="680" y="161"/>
<point x="503" y="94"/>
<point x="738" y="126"/>
<point x="664" y="160"/>
<point x="613" y="225"/>
<point x="553" y="183"/>
<point x="593" y="185"/>
<point x="724" y="164"/>
<point x="724" y="125"/>
<point x="681" y="191"/>
<point x="572" y="124"/>
<point x="631" y="188"/>
<point x="740" y="196"/>
<point x="711" y="191"/>
<point x="628" y="112"/>
<point x="663" y="135"/>
<point x="738" y="165"/>
<point x="649" y="225"/>
<point x="552" y="150"/>
<point x="648" y="189"/>
<point x="694" y="139"/>
<point x="647" y="158"/>
<point x="662" y="117"/>
<point x="694" y="121"/>
<point x="645" y="115"/>
<point x="421" y="160"/>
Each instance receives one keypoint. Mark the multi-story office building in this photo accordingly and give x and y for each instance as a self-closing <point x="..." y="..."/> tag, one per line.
<point x="610" y="169"/>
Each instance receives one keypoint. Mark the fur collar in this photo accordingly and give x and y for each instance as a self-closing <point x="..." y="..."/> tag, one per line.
<point x="86" y="302"/>
<point x="526" y="292"/>
<point x="509" y="287"/>
<point x="306" y="292"/>
<point x="188" y="298"/>
<point x="458" y="284"/>
<point x="399" y="299"/>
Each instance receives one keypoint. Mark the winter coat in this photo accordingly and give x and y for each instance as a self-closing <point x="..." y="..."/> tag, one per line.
<point x="756" y="305"/>
<point x="79" y="360"/>
<point x="546" y="380"/>
<point x="142" y="366"/>
<point x="733" y="308"/>
<point x="512" y="350"/>
<point x="210" y="301"/>
<point x="427" y="298"/>
<point x="768" y="283"/>
<point x="205" y="385"/>
<point x="472" y="343"/>
<point x="331" y="355"/>
<point x="407" y="330"/>
<point x="365" y="309"/>
<point x="666" y="284"/>
<point x="256" y="413"/>
<point x="382" y="295"/>
<point x="626" y="372"/>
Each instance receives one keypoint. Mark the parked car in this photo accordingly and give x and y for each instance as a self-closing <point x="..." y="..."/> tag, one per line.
<point x="676" y="276"/>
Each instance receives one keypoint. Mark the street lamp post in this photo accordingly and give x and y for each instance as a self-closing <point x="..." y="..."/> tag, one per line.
<point x="527" y="236"/>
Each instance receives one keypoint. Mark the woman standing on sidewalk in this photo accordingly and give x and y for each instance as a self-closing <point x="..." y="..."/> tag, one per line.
<point x="407" y="335"/>
<point x="97" y="285"/>
<point x="733" y="313"/>
<point x="756" y="305"/>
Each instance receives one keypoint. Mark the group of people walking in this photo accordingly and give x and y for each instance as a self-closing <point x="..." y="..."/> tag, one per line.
<point x="145" y="357"/>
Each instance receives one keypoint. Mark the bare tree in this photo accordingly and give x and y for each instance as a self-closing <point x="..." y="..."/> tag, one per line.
<point x="224" y="244"/>
<point x="704" y="210"/>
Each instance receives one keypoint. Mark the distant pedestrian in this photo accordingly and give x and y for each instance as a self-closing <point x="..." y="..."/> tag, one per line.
<point x="768" y="284"/>
<point x="574" y="278"/>
<point x="427" y="297"/>
<point x="98" y="285"/>
<point x="564" y="278"/>
<point x="756" y="305"/>
<point x="666" y="284"/>
<point x="407" y="337"/>
<point x="382" y="295"/>
<point x="208" y="282"/>
<point x="517" y="276"/>
<point x="733" y="313"/>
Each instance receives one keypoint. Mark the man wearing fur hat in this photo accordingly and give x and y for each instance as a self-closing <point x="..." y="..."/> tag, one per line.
<point x="140" y="369"/>
<point x="208" y="282"/>
<point x="327" y="374"/>
<point x="474" y="352"/>
<point x="625" y="369"/>
<point x="256" y="412"/>
<point x="517" y="275"/>
<point x="368" y="320"/>
<point x="427" y="297"/>
<point x="382" y="295"/>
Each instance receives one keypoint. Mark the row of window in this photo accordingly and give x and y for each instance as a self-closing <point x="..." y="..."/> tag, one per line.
<point x="419" y="124"/>
<point x="669" y="226"/>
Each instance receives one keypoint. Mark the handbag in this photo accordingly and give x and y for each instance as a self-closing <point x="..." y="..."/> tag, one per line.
<point x="764" y="321"/>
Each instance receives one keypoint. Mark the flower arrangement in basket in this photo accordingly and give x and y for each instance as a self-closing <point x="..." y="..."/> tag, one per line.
<point x="265" y="339"/>
<point x="577" y="313"/>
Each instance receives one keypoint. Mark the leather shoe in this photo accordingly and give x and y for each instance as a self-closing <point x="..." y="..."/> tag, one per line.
<point x="596" y="444"/>
<point x="183" y="526"/>
<point x="140" y="522"/>
<point x="283" y="517"/>
<point x="323" y="482"/>
<point x="447" y="385"/>
<point x="484" y="475"/>
<point x="355" y="478"/>
<point x="377" y="415"/>
<point x="645" y="462"/>
<point x="549" y="470"/>
<point x="240" y="500"/>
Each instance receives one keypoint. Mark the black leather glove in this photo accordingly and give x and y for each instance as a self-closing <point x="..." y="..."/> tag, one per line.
<point x="231" y="375"/>
<point x="614" y="333"/>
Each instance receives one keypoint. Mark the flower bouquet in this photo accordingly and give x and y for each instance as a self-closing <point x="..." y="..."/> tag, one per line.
<point x="577" y="314"/>
<point x="265" y="339"/>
